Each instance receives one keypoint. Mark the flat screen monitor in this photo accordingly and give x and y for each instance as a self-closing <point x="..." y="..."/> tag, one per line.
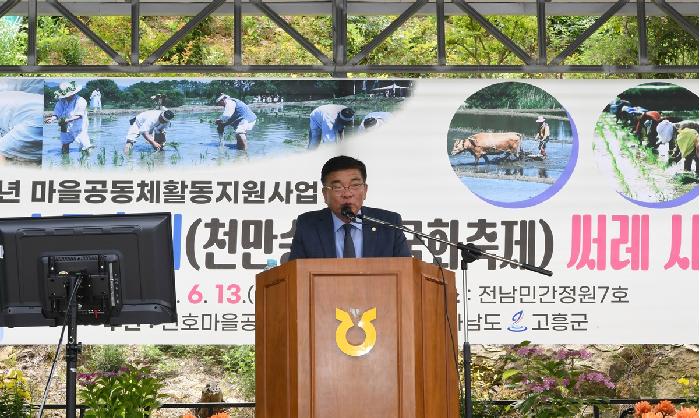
<point x="124" y="263"/>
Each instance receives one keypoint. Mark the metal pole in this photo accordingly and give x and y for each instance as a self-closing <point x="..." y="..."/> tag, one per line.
<point x="466" y="347"/>
<point x="237" y="33"/>
<point x="642" y="32"/>
<point x="135" y="34"/>
<point x="32" y="28"/>
<point x="441" y="50"/>
<point x="541" y="32"/>
<point x="72" y="348"/>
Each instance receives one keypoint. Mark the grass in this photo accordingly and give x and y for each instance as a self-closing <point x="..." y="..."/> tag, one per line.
<point x="102" y="157"/>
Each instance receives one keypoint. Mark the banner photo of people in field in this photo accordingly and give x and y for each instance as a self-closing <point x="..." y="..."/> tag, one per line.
<point x="595" y="180"/>
<point x="646" y="140"/>
<point x="200" y="123"/>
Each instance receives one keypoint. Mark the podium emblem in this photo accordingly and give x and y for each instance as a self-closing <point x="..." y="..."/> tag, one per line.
<point x="346" y="323"/>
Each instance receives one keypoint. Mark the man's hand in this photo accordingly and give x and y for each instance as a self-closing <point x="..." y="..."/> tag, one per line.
<point x="156" y="146"/>
<point x="50" y="119"/>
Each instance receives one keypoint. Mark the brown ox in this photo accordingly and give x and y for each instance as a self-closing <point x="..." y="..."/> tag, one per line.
<point x="485" y="143"/>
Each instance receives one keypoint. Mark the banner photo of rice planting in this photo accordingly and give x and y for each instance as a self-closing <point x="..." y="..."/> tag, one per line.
<point x="512" y="144"/>
<point x="145" y="124"/>
<point x="646" y="143"/>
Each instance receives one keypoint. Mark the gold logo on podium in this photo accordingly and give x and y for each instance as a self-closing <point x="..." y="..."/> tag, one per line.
<point x="365" y="323"/>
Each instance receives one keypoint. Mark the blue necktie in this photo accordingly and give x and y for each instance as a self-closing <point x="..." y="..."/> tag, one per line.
<point x="349" y="245"/>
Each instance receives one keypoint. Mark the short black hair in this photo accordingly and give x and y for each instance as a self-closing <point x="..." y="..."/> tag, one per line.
<point x="168" y="115"/>
<point x="342" y="162"/>
<point x="346" y="116"/>
<point x="369" y="122"/>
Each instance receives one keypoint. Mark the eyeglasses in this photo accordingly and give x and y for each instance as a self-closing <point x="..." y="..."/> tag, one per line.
<point x="338" y="189"/>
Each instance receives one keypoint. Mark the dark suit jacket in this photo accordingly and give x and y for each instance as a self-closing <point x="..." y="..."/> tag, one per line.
<point x="314" y="236"/>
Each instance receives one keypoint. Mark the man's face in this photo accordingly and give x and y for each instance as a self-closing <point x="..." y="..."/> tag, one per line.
<point x="344" y="195"/>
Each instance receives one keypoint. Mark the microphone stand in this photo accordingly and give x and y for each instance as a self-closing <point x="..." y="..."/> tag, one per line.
<point x="470" y="253"/>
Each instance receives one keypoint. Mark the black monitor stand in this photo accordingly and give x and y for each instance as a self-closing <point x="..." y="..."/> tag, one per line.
<point x="73" y="347"/>
<point x="85" y="289"/>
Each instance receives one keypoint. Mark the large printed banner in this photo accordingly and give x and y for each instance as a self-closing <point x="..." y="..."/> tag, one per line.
<point x="594" y="180"/>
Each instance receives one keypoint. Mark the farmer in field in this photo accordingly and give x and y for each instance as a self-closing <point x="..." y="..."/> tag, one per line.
<point x="150" y="124"/>
<point x="71" y="113"/>
<point x="158" y="101"/>
<point x="682" y="138"/>
<point x="327" y="123"/>
<point x="373" y="119"/>
<point x="543" y="136"/>
<point x="237" y="117"/>
<point x="96" y="100"/>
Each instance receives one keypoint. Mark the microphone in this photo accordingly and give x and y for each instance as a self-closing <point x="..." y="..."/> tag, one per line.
<point x="347" y="212"/>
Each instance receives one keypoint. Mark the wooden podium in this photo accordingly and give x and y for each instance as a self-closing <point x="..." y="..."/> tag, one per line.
<point x="312" y="362"/>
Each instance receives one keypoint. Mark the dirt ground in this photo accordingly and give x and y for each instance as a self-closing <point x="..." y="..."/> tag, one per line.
<point x="184" y="385"/>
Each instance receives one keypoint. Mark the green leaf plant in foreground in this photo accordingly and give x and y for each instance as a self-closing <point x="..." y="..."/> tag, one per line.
<point x="128" y="393"/>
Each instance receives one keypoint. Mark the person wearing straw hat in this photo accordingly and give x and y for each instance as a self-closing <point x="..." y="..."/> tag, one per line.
<point x="150" y="124"/>
<point x="542" y="136"/>
<point x="327" y="122"/>
<point x="71" y="113"/>
<point x="238" y="117"/>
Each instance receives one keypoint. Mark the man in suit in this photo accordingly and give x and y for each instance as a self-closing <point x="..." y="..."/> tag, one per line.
<point x="326" y="233"/>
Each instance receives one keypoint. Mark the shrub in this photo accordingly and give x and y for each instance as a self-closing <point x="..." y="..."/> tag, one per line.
<point x="15" y="397"/>
<point x="129" y="392"/>
<point x="106" y="358"/>
<point x="239" y="360"/>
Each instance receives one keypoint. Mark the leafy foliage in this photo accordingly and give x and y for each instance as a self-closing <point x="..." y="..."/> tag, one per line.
<point x="239" y="360"/>
<point x="106" y="358"/>
<point x="11" y="41"/>
<point x="57" y="41"/>
<point x="14" y="395"/>
<point x="128" y="393"/>
<point x="415" y="42"/>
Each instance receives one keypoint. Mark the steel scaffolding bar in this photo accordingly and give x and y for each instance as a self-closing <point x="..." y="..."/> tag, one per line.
<point x="88" y="32"/>
<point x="642" y="51"/>
<point x="291" y="31"/>
<point x="32" y="20"/>
<point x="493" y="30"/>
<point x="381" y="37"/>
<point x="441" y="47"/>
<point x="385" y="69"/>
<point x="541" y="32"/>
<point x="237" y="33"/>
<point x="135" y="34"/>
<point x="7" y="6"/>
<point x="588" y="32"/>
<point x="673" y="13"/>
<point x="340" y="65"/>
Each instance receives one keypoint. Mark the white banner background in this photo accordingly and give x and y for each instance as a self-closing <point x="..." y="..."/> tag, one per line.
<point x="409" y="172"/>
